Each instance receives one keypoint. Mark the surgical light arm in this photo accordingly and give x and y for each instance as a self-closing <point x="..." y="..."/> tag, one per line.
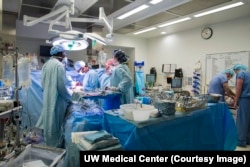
<point x="31" y="21"/>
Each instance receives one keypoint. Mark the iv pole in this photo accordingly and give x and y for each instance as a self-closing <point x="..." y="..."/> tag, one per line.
<point x="16" y="102"/>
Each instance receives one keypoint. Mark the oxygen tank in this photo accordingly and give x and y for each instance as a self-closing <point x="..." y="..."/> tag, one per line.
<point x="8" y="70"/>
<point x="24" y="72"/>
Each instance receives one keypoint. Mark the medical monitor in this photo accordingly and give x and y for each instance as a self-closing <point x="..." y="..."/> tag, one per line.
<point x="150" y="78"/>
<point x="176" y="83"/>
<point x="45" y="50"/>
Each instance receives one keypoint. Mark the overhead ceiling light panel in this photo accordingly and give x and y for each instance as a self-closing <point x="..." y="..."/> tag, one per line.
<point x="136" y="10"/>
<point x="174" y="22"/>
<point x="146" y="30"/>
<point x="219" y="9"/>
<point x="155" y="1"/>
<point x="71" y="45"/>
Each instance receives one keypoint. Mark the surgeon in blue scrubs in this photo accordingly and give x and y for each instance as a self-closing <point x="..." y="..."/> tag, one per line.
<point x="56" y="98"/>
<point x="121" y="78"/>
<point x="242" y="101"/>
<point x="90" y="81"/>
<point x="104" y="78"/>
<point x="219" y="84"/>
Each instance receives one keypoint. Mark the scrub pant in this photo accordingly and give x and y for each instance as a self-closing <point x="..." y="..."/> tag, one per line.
<point x="243" y="122"/>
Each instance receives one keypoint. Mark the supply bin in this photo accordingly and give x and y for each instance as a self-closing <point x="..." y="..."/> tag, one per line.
<point x="37" y="155"/>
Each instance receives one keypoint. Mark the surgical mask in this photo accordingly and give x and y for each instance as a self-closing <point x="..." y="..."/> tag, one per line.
<point x="65" y="61"/>
<point x="81" y="73"/>
<point x="111" y="70"/>
<point x="116" y="63"/>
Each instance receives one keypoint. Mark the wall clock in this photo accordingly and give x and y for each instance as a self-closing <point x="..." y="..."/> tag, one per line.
<point x="206" y="33"/>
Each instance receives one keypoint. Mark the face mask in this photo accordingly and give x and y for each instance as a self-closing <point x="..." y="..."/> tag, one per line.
<point x="65" y="61"/>
<point x="81" y="73"/>
<point x="116" y="63"/>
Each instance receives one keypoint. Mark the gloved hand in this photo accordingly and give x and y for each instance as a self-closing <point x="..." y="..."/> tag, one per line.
<point x="112" y="88"/>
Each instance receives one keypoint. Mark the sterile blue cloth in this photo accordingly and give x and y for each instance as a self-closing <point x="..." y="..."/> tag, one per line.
<point x="212" y="128"/>
<point x="82" y="117"/>
<point x="98" y="136"/>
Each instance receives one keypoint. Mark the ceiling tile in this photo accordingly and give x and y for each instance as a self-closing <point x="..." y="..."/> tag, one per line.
<point x="195" y="5"/>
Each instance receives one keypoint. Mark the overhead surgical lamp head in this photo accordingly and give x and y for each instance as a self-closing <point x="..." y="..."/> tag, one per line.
<point x="71" y="45"/>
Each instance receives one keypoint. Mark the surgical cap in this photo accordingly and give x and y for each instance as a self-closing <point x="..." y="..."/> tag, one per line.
<point x="109" y="62"/>
<point x="228" y="71"/>
<point x="78" y="65"/>
<point x="239" y="67"/>
<point x="56" y="49"/>
<point x="120" y="55"/>
<point x="88" y="65"/>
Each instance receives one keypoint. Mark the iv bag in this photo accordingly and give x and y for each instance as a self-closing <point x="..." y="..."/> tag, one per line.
<point x="8" y="70"/>
<point x="34" y="62"/>
<point x="24" y="72"/>
<point x="102" y="56"/>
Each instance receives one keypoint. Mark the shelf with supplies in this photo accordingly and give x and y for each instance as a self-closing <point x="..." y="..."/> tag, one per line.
<point x="169" y="68"/>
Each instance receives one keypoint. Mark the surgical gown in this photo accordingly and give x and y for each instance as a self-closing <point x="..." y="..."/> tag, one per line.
<point x="90" y="81"/>
<point x="243" y="114"/>
<point x="55" y="100"/>
<point x="216" y="85"/>
<point x="121" y="77"/>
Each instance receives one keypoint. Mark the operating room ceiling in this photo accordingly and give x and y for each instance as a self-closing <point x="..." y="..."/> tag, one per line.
<point x="154" y="15"/>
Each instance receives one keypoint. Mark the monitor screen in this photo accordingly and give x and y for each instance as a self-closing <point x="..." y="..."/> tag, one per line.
<point x="150" y="78"/>
<point x="45" y="51"/>
<point x="176" y="83"/>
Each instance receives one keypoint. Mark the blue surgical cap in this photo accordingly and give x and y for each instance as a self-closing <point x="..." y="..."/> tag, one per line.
<point x="78" y="65"/>
<point x="228" y="71"/>
<point x="56" y="49"/>
<point x="240" y="67"/>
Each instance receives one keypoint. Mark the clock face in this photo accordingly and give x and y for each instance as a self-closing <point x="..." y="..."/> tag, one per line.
<point x="207" y="33"/>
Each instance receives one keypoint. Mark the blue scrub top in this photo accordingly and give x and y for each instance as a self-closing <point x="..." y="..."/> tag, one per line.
<point x="245" y="76"/>
<point x="216" y="85"/>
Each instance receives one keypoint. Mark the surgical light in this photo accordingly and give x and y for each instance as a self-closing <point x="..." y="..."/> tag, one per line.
<point x="71" y="45"/>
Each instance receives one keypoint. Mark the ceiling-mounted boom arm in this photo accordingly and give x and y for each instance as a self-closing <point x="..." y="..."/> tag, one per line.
<point x="102" y="16"/>
<point x="31" y="21"/>
<point x="66" y="11"/>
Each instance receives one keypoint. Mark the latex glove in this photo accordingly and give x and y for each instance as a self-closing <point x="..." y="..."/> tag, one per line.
<point x="112" y="88"/>
<point x="70" y="91"/>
